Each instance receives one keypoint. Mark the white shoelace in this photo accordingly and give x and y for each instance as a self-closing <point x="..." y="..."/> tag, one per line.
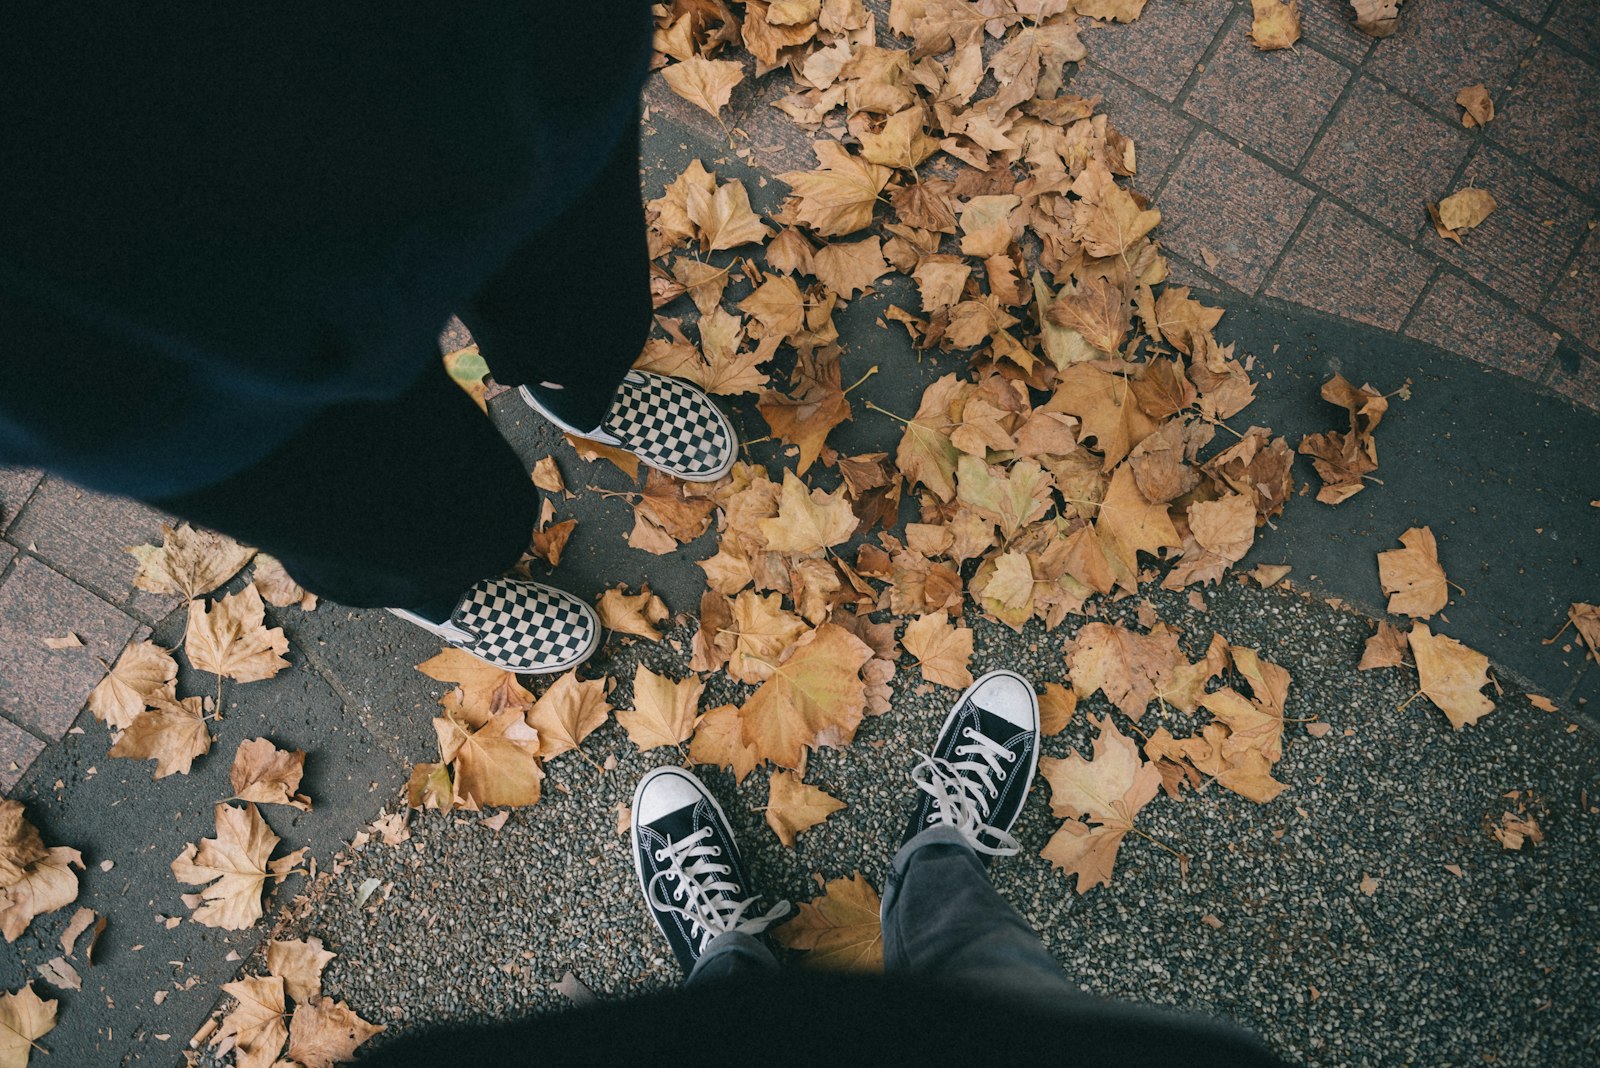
<point x="964" y="790"/>
<point x="702" y="895"/>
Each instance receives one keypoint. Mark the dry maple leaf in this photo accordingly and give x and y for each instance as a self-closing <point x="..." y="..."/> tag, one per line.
<point x="1412" y="576"/>
<point x="1386" y="648"/>
<point x="255" y="1027"/>
<point x="590" y="451"/>
<point x="1108" y="220"/>
<point x="482" y="690"/>
<point x="20" y="842"/>
<point x="24" y="1018"/>
<point x="232" y="638"/>
<point x="840" y="929"/>
<point x="496" y="764"/>
<point x="636" y="613"/>
<point x="719" y="741"/>
<point x="808" y="521"/>
<point x="1276" y="24"/>
<point x="1342" y="460"/>
<point x="1056" y="706"/>
<point x="1128" y="524"/>
<point x="902" y="142"/>
<point x="233" y="867"/>
<point x="850" y="266"/>
<point x="1377" y="18"/>
<point x="144" y="668"/>
<point x="839" y="196"/>
<point x="299" y="963"/>
<point x="1514" y="831"/>
<point x="325" y="1032"/>
<point x="943" y="650"/>
<point x="1107" y="792"/>
<point x="925" y="454"/>
<point x="188" y="562"/>
<point x="663" y="711"/>
<point x="567" y="713"/>
<point x="48" y="883"/>
<point x="1130" y="668"/>
<point x="762" y="632"/>
<point x="1107" y="407"/>
<point x="1451" y="675"/>
<point x="267" y="775"/>
<point x="1477" y="105"/>
<point x="794" y="806"/>
<point x="706" y="83"/>
<point x="170" y="732"/>
<point x="815" y="405"/>
<point x="551" y="541"/>
<point x="1585" y="619"/>
<point x="665" y="515"/>
<point x="724" y="217"/>
<point x="814" y="697"/>
<point x="277" y="587"/>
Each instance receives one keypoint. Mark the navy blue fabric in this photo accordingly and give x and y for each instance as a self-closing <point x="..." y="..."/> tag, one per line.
<point x="222" y="220"/>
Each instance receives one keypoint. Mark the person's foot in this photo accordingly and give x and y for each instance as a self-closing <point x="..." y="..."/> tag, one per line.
<point x="693" y="880"/>
<point x="982" y="766"/>
<point x="518" y="626"/>
<point x="668" y="423"/>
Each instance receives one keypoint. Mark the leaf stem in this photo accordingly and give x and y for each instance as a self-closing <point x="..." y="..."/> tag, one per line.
<point x="891" y="415"/>
<point x="863" y="378"/>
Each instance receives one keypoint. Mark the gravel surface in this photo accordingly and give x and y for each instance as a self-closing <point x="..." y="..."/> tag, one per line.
<point x="1270" y="928"/>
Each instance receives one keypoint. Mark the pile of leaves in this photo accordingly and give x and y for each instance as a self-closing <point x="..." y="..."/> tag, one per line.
<point x="320" y="1031"/>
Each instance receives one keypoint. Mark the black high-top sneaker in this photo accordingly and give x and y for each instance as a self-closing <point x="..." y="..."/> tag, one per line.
<point x="518" y="626"/>
<point x="981" y="767"/>
<point x="693" y="880"/>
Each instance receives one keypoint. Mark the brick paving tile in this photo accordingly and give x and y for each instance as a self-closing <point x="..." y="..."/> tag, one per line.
<point x="41" y="688"/>
<point x="1578" y="21"/>
<point x="1386" y="157"/>
<point x="1523" y="245"/>
<point x="1530" y="10"/>
<point x="1340" y="265"/>
<point x="18" y="749"/>
<point x="1576" y="377"/>
<point x="1445" y="45"/>
<point x="1550" y="117"/>
<point x="1458" y="316"/>
<point x="1157" y="132"/>
<point x="1327" y="25"/>
<point x="1272" y="101"/>
<point x="1159" y="50"/>
<point x="86" y="534"/>
<point x="1575" y="303"/>
<point x="16" y="484"/>
<point x="6" y="553"/>
<point x="1234" y="206"/>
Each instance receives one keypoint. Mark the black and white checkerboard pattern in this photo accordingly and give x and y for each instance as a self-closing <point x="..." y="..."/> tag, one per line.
<point x="670" y="425"/>
<point x="526" y="627"/>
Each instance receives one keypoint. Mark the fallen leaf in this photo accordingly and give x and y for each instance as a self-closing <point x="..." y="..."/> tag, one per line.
<point x="724" y="217"/>
<point x="47" y="884"/>
<point x="719" y="741"/>
<point x="170" y="732"/>
<point x="255" y="1026"/>
<point x="590" y="451"/>
<point x="1514" y="831"/>
<point x="1477" y="106"/>
<point x="943" y="650"/>
<point x="144" y="668"/>
<point x="663" y="711"/>
<point x="495" y="764"/>
<point x="24" y="1018"/>
<point x="838" y="197"/>
<point x="1585" y="619"/>
<point x="762" y="631"/>
<point x="1451" y="675"/>
<point x="1386" y="648"/>
<point x="706" y="83"/>
<point x="299" y="963"/>
<point x="1461" y="211"/>
<point x="793" y="806"/>
<point x="808" y="521"/>
<point x="1412" y="576"/>
<point x="567" y="713"/>
<point x="815" y="696"/>
<point x="547" y="475"/>
<point x="1377" y="18"/>
<point x="1056" y="706"/>
<point x="66" y="641"/>
<point x="233" y="867"/>
<point x="189" y="562"/>
<point x="232" y="638"/>
<point x="1107" y="792"/>
<point x="1269" y="575"/>
<point x="1369" y="885"/>
<point x="20" y="843"/>
<point x="1276" y="24"/>
<point x="846" y="268"/>
<point x="325" y="1032"/>
<point x="840" y="929"/>
<point x="79" y="923"/>
<point x="635" y="614"/>
<point x="267" y="775"/>
<point x="483" y="690"/>
<point x="277" y="587"/>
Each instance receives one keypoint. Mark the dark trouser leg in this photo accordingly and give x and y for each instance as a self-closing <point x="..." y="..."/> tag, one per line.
<point x="403" y="504"/>
<point x="731" y="956"/>
<point x="572" y="305"/>
<point x="942" y="918"/>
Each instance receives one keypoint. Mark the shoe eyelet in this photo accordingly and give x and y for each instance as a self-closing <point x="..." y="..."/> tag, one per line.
<point x="658" y="855"/>
<point x="1000" y="773"/>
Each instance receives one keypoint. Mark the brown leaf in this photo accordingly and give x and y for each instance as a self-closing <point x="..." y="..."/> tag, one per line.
<point x="172" y="733"/>
<point x="1276" y="24"/>
<point x="1464" y="209"/>
<point x="838" y="197"/>
<point x="1105" y="404"/>
<point x="902" y="142"/>
<point x="840" y="929"/>
<point x="80" y="922"/>
<point x="1451" y="675"/>
<point x="1130" y="668"/>
<point x="724" y="217"/>
<point x="277" y="587"/>
<point x="144" y="668"/>
<point x="325" y="1032"/>
<point x="815" y="405"/>
<point x="1386" y="648"/>
<point x="665" y="515"/>
<point x="299" y="963"/>
<point x="636" y="613"/>
<point x="232" y="638"/>
<point x="1107" y="792"/>
<point x="233" y="867"/>
<point x="622" y="459"/>
<point x="1108" y="220"/>
<point x="1097" y="311"/>
<point x="925" y="454"/>
<point x="814" y="697"/>
<point x="943" y="650"/>
<point x="551" y="541"/>
<point x="1128" y="525"/>
<point x="1585" y="619"/>
<point x="495" y="764"/>
<point x="267" y="775"/>
<point x="24" y="1017"/>
<point x="719" y="741"/>
<point x="47" y="884"/>
<point x="663" y="711"/>
<point x="808" y="521"/>
<point x="188" y="562"/>
<point x="483" y="690"/>
<point x="706" y="83"/>
<point x="793" y="806"/>
<point x="567" y="713"/>
<point x="1412" y="576"/>
<point x="255" y="1026"/>
<point x="1056" y="706"/>
<point x="846" y="268"/>
<point x="1377" y="18"/>
<point x="20" y="843"/>
<point x="1477" y="105"/>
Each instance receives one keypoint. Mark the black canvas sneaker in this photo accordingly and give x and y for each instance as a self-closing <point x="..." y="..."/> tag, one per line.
<point x="668" y="423"/>
<point x="693" y="880"/>
<point x="982" y="765"/>
<point x="518" y="626"/>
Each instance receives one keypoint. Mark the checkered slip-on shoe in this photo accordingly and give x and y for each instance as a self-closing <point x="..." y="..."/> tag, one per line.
<point x="694" y="882"/>
<point x="982" y="765"/>
<point x="666" y="422"/>
<point x="518" y="626"/>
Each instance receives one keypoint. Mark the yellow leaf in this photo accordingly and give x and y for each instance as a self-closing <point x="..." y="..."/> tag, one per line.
<point x="839" y="196"/>
<point x="24" y="1017"/>
<point x="172" y="733"/>
<point x="793" y="806"/>
<point x="663" y="711"/>
<point x="567" y="713"/>
<point x="326" y="1032"/>
<point x="267" y="775"/>
<point x="1276" y="24"/>
<point x="840" y="929"/>
<point x="1412" y="576"/>
<point x="814" y="697"/>
<point x="299" y="963"/>
<point x="808" y="521"/>
<point x="943" y="650"/>
<point x="636" y="613"/>
<point x="143" y="669"/>
<point x="1451" y="675"/>
<point x="496" y="764"/>
<point x="483" y="690"/>
<point x="719" y="741"/>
